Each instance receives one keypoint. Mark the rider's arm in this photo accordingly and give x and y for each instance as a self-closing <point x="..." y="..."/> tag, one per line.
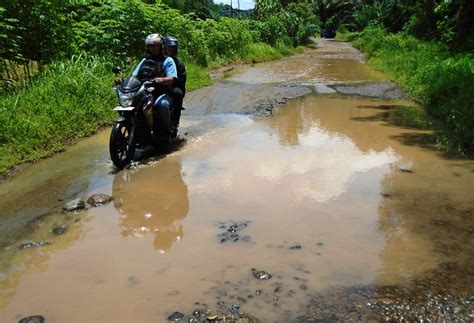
<point x="169" y="69"/>
<point x="137" y="68"/>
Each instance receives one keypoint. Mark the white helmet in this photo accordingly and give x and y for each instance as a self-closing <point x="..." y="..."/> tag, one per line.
<point x="154" y="39"/>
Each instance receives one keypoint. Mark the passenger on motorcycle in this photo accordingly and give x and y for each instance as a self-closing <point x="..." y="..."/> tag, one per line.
<point x="179" y="84"/>
<point x="162" y="70"/>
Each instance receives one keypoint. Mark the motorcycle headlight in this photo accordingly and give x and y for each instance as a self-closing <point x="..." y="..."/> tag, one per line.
<point x="125" y="100"/>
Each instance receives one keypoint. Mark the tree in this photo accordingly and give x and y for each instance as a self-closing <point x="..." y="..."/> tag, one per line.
<point x="202" y="8"/>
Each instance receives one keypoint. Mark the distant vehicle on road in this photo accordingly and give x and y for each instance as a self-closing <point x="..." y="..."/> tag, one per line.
<point x="327" y="33"/>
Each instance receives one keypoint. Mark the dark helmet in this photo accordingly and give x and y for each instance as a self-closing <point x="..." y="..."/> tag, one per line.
<point x="171" y="41"/>
<point x="154" y="39"/>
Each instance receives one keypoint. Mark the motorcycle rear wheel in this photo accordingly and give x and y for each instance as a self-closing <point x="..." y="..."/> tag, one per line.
<point x="121" y="145"/>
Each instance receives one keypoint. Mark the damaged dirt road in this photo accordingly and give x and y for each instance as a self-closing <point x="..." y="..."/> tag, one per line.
<point x="290" y="199"/>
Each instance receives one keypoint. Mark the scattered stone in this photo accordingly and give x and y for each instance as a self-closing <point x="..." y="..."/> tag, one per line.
<point x="73" y="205"/>
<point x="60" y="230"/>
<point x="261" y="275"/>
<point x="320" y="243"/>
<point x="258" y="292"/>
<point x="28" y="245"/>
<point x="295" y="247"/>
<point x="405" y="168"/>
<point x="32" y="319"/>
<point x="303" y="287"/>
<point x="198" y="315"/>
<point x="99" y="199"/>
<point x="235" y="308"/>
<point x="232" y="230"/>
<point x="176" y="316"/>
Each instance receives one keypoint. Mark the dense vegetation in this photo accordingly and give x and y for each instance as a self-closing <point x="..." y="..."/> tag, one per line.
<point x="56" y="59"/>
<point x="443" y="82"/>
<point x="56" y="55"/>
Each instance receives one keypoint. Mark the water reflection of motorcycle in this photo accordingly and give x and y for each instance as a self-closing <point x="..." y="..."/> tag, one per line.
<point x="139" y="124"/>
<point x="152" y="201"/>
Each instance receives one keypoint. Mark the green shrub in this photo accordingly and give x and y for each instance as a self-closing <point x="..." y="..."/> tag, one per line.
<point x="260" y="52"/>
<point x="285" y="50"/>
<point x="428" y="72"/>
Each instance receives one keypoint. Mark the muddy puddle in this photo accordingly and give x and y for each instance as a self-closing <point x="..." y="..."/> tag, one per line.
<point x="317" y="196"/>
<point x="322" y="211"/>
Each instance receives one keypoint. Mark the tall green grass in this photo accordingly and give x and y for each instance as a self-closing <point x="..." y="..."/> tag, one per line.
<point x="71" y="99"/>
<point x="197" y="77"/>
<point x="261" y="52"/>
<point x="427" y="71"/>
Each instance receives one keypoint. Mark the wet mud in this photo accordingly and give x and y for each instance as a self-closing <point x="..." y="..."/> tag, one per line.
<point x="316" y="210"/>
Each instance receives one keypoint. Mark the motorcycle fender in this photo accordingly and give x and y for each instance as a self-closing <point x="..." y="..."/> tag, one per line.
<point x="121" y="120"/>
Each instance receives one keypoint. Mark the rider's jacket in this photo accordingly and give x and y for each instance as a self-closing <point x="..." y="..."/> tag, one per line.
<point x="180" y="81"/>
<point x="151" y="67"/>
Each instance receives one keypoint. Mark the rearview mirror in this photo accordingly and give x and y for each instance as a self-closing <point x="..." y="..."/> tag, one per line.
<point x="117" y="70"/>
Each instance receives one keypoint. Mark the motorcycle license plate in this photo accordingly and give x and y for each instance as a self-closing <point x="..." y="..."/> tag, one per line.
<point x="120" y="108"/>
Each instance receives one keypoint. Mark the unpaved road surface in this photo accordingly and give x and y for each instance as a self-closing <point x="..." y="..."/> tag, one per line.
<point x="290" y="198"/>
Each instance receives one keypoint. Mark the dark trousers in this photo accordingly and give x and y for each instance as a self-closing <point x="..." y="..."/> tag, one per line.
<point x="178" y="96"/>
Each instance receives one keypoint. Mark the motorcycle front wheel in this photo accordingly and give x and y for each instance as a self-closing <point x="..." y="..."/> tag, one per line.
<point x="121" y="145"/>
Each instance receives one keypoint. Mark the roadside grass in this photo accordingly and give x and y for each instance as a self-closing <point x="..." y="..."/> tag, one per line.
<point x="70" y="100"/>
<point x="197" y="76"/>
<point x="441" y="81"/>
<point x="260" y="52"/>
<point x="410" y="116"/>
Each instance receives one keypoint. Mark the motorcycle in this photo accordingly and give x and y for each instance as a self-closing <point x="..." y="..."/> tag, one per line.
<point x="136" y="126"/>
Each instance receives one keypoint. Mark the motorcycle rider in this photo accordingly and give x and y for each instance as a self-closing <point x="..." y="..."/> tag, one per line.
<point x="179" y="84"/>
<point x="162" y="70"/>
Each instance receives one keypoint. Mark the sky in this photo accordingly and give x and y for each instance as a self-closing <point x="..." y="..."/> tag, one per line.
<point x="244" y="4"/>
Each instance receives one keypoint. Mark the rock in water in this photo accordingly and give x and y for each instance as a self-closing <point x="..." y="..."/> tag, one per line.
<point x="176" y="316"/>
<point x="235" y="308"/>
<point x="295" y="246"/>
<point x="32" y="319"/>
<point x="261" y="275"/>
<point x="99" y="199"/>
<point x="73" y="205"/>
<point x="60" y="230"/>
<point x="28" y="245"/>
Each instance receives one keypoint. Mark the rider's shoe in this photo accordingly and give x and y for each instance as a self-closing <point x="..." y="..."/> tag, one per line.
<point x="174" y="132"/>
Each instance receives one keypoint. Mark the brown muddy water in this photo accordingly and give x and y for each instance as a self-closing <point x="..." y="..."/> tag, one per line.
<point x="353" y="218"/>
